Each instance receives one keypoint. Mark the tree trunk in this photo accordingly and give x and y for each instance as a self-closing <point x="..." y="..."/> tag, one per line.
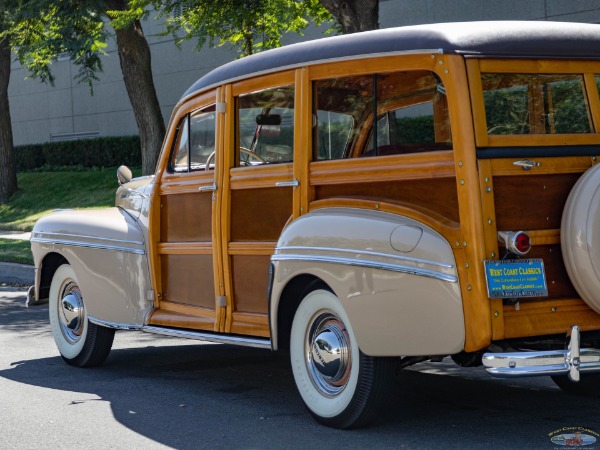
<point x="354" y="15"/>
<point x="134" y="55"/>
<point x="8" y="171"/>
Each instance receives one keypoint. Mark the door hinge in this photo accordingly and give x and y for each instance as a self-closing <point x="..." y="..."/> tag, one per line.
<point x="222" y="301"/>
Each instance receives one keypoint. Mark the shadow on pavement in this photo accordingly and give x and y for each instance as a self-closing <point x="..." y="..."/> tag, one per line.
<point x="220" y="396"/>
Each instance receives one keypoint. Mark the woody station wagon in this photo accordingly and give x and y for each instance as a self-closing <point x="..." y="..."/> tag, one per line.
<point x="365" y="203"/>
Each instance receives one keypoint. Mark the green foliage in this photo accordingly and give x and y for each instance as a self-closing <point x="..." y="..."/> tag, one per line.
<point x="250" y="26"/>
<point x="85" y="153"/>
<point x="16" y="251"/>
<point x="559" y="99"/>
<point x="42" y="192"/>
<point x="416" y="130"/>
<point x="570" y="112"/>
<point x="41" y="31"/>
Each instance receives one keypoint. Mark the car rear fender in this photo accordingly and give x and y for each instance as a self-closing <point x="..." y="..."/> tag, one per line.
<point x="395" y="277"/>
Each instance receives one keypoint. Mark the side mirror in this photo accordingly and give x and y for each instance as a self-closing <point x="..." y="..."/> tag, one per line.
<point x="124" y="175"/>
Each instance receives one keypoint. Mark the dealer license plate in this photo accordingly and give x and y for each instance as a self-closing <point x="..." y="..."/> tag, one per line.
<point x="512" y="278"/>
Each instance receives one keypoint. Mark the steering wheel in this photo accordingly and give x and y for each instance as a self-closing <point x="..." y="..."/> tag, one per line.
<point x="209" y="160"/>
<point x="244" y="150"/>
<point x="251" y="154"/>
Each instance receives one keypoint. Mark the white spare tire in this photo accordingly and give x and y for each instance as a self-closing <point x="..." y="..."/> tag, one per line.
<point x="580" y="237"/>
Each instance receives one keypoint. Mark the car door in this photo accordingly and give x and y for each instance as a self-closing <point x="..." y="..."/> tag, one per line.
<point x="189" y="284"/>
<point x="259" y="194"/>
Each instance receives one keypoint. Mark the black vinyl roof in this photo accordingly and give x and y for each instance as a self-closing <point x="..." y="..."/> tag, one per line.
<point x="514" y="39"/>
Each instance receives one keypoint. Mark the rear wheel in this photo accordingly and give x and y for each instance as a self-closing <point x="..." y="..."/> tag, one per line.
<point x="341" y="386"/>
<point x="80" y="342"/>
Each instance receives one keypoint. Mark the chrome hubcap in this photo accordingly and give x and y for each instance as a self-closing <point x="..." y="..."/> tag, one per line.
<point x="328" y="354"/>
<point x="71" y="313"/>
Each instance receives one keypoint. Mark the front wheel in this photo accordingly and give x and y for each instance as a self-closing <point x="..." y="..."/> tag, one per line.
<point x="80" y="342"/>
<point x="341" y="386"/>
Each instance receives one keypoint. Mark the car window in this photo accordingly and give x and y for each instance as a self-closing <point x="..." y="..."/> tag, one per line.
<point x="181" y="149"/>
<point x="535" y="104"/>
<point x="195" y="141"/>
<point x="380" y="114"/>
<point x="265" y="126"/>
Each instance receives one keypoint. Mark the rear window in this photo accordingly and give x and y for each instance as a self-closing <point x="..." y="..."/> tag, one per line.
<point x="535" y="104"/>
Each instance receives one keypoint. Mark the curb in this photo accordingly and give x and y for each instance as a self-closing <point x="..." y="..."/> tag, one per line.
<point x="16" y="273"/>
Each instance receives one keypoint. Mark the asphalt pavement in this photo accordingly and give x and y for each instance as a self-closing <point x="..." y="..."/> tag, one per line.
<point x="156" y="392"/>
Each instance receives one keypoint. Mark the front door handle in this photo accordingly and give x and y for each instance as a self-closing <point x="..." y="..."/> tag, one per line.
<point x="293" y="183"/>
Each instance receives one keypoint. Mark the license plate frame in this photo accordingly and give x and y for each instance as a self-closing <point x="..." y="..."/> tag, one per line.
<point x="516" y="278"/>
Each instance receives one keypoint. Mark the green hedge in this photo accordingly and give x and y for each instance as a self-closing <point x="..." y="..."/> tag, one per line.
<point x="97" y="152"/>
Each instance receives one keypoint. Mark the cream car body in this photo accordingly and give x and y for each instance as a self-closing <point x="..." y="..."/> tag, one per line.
<point x="391" y="273"/>
<point x="107" y="250"/>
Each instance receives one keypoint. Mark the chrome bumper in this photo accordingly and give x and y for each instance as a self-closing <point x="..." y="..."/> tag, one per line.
<point x="569" y="362"/>
<point x="32" y="300"/>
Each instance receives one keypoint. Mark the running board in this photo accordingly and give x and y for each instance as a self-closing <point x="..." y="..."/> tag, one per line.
<point x="210" y="337"/>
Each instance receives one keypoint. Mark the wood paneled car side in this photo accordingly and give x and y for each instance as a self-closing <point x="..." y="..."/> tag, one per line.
<point x="366" y="203"/>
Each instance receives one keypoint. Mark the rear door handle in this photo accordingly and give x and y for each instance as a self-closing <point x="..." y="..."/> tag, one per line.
<point x="211" y="188"/>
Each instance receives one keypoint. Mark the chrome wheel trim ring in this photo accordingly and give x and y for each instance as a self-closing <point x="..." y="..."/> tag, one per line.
<point x="71" y="313"/>
<point x="328" y="354"/>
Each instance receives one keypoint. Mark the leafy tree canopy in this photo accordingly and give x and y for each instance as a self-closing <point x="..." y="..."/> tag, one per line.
<point x="249" y="25"/>
<point x="42" y="31"/>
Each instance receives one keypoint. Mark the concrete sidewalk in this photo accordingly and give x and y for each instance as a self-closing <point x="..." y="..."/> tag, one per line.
<point x="12" y="272"/>
<point x="23" y="235"/>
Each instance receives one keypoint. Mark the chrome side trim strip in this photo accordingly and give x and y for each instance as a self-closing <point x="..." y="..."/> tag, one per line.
<point x="366" y="252"/>
<point x="203" y="336"/>
<point x="368" y="264"/>
<point x="38" y="235"/>
<point x="115" y="325"/>
<point x="569" y="362"/>
<point x="137" y="251"/>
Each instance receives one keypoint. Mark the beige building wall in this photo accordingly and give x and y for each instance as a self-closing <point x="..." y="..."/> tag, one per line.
<point x="42" y="113"/>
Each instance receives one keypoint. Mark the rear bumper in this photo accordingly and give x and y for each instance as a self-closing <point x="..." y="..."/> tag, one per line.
<point x="571" y="361"/>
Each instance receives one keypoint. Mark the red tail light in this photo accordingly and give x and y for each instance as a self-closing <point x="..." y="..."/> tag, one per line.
<point x="517" y="242"/>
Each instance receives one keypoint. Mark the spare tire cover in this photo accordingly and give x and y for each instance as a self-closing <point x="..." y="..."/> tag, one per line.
<point x="580" y="237"/>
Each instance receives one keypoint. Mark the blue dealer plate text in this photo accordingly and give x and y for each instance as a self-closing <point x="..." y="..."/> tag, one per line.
<point x="512" y="278"/>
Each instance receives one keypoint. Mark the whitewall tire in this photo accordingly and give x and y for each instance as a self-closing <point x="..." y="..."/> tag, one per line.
<point x="80" y="343"/>
<point x="340" y="386"/>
